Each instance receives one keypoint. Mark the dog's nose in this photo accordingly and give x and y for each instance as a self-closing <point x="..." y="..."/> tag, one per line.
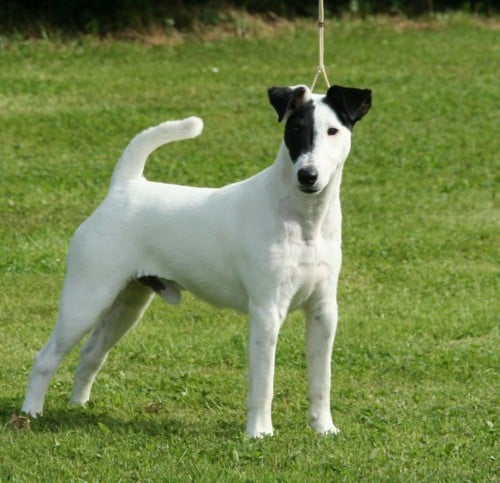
<point x="307" y="176"/>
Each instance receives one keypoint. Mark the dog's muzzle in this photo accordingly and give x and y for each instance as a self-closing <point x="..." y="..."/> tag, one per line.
<point x="307" y="177"/>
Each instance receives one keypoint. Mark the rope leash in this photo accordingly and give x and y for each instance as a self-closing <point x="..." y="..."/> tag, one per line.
<point x="321" y="46"/>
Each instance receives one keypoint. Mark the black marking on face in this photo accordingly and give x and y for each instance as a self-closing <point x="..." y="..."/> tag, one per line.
<point x="299" y="131"/>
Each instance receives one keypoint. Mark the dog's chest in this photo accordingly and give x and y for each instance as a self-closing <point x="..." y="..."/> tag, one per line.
<point x="306" y="264"/>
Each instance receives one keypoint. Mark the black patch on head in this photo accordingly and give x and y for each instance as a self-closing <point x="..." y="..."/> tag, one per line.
<point x="299" y="130"/>
<point x="350" y="104"/>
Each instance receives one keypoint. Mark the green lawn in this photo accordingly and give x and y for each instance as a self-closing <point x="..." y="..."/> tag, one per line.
<point x="416" y="361"/>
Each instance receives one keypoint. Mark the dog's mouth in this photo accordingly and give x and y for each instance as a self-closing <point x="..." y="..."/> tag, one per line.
<point x="309" y="189"/>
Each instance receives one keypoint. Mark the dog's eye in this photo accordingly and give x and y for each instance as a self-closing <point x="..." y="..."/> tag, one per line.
<point x="332" y="131"/>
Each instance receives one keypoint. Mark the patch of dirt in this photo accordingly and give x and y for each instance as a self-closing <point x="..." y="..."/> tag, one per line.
<point x="21" y="423"/>
<point x="232" y="24"/>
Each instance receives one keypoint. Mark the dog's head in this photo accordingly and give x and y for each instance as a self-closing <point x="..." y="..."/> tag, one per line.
<point x="318" y="129"/>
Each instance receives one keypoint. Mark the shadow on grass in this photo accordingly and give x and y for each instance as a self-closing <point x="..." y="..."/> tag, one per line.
<point x="91" y="419"/>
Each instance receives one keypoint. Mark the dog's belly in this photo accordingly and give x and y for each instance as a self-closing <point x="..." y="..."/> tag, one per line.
<point x="219" y="294"/>
<point x="204" y="279"/>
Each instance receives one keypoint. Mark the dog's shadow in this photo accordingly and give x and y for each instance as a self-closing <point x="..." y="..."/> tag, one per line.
<point x="90" y="419"/>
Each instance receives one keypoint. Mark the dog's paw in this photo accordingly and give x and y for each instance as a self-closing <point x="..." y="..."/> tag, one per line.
<point x="333" y="430"/>
<point x="33" y="413"/>
<point x="324" y="425"/>
<point x="255" y="430"/>
<point x="259" y="434"/>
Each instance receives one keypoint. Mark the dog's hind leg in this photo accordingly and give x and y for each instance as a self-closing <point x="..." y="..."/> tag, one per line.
<point x="125" y="312"/>
<point x="82" y="305"/>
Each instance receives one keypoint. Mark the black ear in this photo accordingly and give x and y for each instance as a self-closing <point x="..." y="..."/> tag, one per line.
<point x="285" y="99"/>
<point x="349" y="103"/>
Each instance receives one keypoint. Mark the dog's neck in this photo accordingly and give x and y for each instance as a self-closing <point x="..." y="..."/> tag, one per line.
<point x="316" y="214"/>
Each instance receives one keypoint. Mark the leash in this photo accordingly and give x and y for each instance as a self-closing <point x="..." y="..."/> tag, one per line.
<point x="321" y="46"/>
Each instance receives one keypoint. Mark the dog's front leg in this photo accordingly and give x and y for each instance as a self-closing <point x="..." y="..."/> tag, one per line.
<point x="264" y="325"/>
<point x="321" y="325"/>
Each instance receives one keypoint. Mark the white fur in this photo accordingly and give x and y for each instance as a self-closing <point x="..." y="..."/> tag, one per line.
<point x="260" y="246"/>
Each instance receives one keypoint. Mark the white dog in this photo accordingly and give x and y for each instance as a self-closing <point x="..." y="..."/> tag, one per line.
<point x="264" y="246"/>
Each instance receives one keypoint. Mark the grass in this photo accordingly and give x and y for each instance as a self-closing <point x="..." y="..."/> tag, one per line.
<point x="415" y="384"/>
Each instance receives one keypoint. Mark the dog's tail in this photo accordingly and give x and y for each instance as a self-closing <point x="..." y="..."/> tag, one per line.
<point x="132" y="162"/>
